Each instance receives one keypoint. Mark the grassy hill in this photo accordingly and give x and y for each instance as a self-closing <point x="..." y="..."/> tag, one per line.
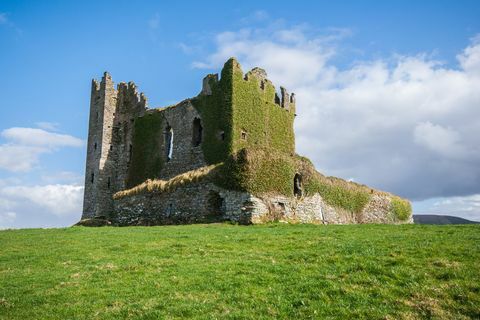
<point x="439" y="219"/>
<point x="241" y="272"/>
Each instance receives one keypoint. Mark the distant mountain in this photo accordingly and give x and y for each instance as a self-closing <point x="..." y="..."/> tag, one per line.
<point x="437" y="219"/>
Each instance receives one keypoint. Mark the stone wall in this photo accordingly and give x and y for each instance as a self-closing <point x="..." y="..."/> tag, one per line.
<point x="99" y="167"/>
<point x="192" y="204"/>
<point x="112" y="114"/>
<point x="186" y="155"/>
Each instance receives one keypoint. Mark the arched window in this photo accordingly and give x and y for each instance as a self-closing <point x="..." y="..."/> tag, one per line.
<point x="297" y="185"/>
<point x="197" y="132"/>
<point x="169" y="143"/>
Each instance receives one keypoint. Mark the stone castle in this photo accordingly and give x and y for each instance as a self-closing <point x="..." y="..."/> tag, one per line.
<point x="227" y="154"/>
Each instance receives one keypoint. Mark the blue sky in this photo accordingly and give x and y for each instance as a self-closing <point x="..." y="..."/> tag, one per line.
<point x="387" y="90"/>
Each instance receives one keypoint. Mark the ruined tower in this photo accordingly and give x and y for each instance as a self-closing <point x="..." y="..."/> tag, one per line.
<point x="111" y="121"/>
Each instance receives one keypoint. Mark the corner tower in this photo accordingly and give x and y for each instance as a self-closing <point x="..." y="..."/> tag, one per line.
<point x="112" y="116"/>
<point x="98" y="172"/>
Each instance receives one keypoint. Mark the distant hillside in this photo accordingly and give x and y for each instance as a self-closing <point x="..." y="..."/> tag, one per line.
<point x="438" y="219"/>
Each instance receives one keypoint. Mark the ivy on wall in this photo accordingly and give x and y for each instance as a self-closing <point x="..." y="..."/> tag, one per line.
<point x="146" y="161"/>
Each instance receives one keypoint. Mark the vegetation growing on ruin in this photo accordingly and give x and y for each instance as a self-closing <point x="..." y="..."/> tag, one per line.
<point x="158" y="185"/>
<point x="222" y="271"/>
<point x="401" y="208"/>
<point x="216" y="113"/>
<point x="265" y="171"/>
<point x="336" y="192"/>
<point x="146" y="161"/>
<point x="258" y="171"/>
<point x="237" y="105"/>
<point x="264" y="123"/>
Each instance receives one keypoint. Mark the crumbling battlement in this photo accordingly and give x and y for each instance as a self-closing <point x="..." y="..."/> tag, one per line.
<point x="112" y="115"/>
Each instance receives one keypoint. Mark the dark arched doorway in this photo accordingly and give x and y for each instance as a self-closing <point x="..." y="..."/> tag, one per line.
<point x="297" y="185"/>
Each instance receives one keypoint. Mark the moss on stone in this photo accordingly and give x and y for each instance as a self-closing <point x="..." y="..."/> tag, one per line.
<point x="216" y="113"/>
<point x="146" y="161"/>
<point x="264" y="123"/>
<point x="258" y="171"/>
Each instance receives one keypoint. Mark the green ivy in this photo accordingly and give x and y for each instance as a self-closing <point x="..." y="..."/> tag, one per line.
<point x="216" y="113"/>
<point x="146" y="162"/>
<point x="267" y="125"/>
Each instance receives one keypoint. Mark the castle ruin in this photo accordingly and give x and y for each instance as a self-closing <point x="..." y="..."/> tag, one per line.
<point x="227" y="154"/>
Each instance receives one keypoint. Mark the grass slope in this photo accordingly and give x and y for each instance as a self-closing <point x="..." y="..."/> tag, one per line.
<point x="235" y="272"/>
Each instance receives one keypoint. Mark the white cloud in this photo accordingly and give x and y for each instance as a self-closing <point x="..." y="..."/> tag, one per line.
<point x="25" y="145"/>
<point x="7" y="219"/>
<point x="18" y="158"/>
<point x="58" y="199"/>
<point x="470" y="57"/>
<point x="406" y="124"/>
<point x="467" y="206"/>
<point x="445" y="141"/>
<point x="49" y="126"/>
<point x="63" y="177"/>
<point x="40" y="137"/>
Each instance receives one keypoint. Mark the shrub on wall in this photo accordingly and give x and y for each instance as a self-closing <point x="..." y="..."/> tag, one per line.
<point x="402" y="209"/>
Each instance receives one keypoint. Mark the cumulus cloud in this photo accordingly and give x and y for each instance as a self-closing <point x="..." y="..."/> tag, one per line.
<point x="40" y="137"/>
<point x="405" y="124"/>
<point x="49" y="126"/>
<point x="25" y="145"/>
<point x="467" y="207"/>
<point x="18" y="158"/>
<point x="444" y="141"/>
<point x="7" y="218"/>
<point x="58" y="199"/>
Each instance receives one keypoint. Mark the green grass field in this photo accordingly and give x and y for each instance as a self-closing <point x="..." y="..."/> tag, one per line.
<point x="223" y="271"/>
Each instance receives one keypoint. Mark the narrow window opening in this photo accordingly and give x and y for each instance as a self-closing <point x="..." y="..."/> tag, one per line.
<point x="277" y="99"/>
<point x="297" y="185"/>
<point x="221" y="135"/>
<point x="95" y="146"/>
<point x="111" y="147"/>
<point x="197" y="132"/>
<point x="92" y="177"/>
<point x="243" y="135"/>
<point x="108" y="183"/>
<point x="169" y="143"/>
<point x="262" y="85"/>
<point x="130" y="152"/>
